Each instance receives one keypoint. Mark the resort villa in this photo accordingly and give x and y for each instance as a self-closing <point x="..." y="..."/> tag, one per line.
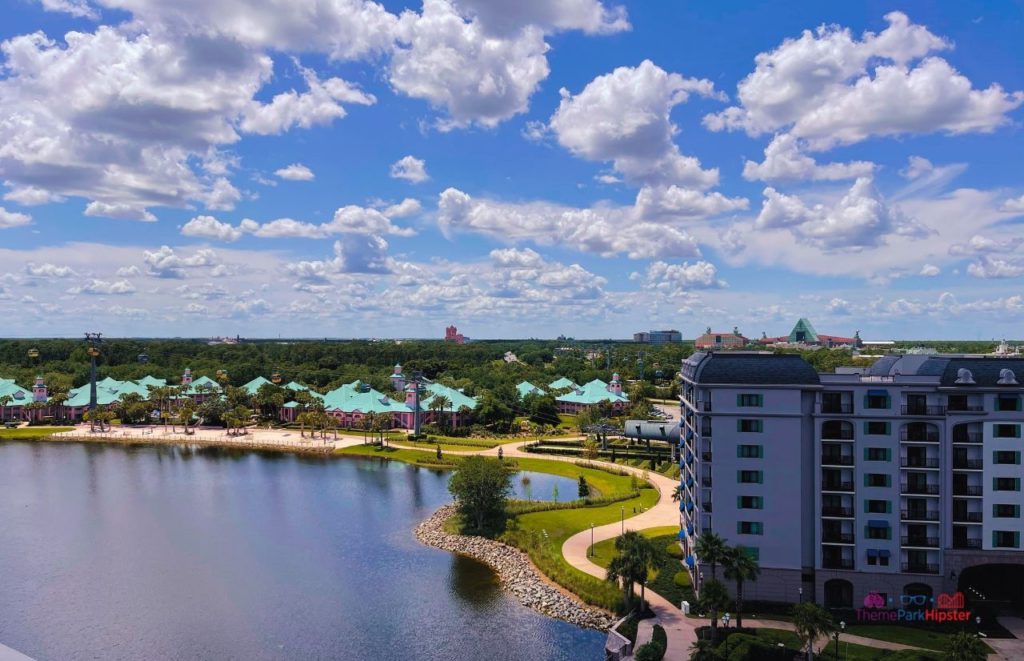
<point x="526" y="388"/>
<point x="349" y="404"/>
<point x="591" y="394"/>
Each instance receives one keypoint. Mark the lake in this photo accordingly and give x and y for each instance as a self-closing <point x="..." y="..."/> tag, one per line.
<point x="160" y="552"/>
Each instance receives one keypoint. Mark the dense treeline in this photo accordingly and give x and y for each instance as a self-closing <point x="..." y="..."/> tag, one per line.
<point x="476" y="366"/>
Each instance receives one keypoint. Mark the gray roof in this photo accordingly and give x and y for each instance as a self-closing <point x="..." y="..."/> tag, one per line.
<point x="756" y="369"/>
<point x="984" y="370"/>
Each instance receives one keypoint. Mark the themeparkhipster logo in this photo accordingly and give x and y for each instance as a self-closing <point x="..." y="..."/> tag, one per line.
<point x="914" y="608"/>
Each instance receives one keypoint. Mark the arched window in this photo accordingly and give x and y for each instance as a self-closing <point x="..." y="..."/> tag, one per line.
<point x="838" y="593"/>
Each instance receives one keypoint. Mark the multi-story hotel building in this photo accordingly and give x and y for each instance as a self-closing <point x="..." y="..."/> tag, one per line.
<point x="899" y="478"/>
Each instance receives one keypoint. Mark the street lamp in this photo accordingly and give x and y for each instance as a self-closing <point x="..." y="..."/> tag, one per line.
<point x="622" y="530"/>
<point x="725" y="620"/>
<point x="801" y="591"/>
<point x="977" y="625"/>
<point x="842" y="627"/>
<point x="591" y="540"/>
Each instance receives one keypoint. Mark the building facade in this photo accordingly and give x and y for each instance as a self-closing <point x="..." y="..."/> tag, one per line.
<point x="900" y="478"/>
<point x="721" y="340"/>
<point x="658" y="336"/>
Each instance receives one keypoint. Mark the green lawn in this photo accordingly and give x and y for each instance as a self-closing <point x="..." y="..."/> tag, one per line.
<point x="445" y="445"/>
<point x="662" y="579"/>
<point x="929" y="640"/>
<point x="30" y="433"/>
<point x="605" y="551"/>
<point x="848" y="651"/>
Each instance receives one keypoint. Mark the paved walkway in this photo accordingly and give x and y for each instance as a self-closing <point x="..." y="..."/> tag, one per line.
<point x="1008" y="648"/>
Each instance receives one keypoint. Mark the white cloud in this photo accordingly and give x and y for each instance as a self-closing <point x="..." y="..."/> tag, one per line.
<point x="605" y="231"/>
<point x="671" y="278"/>
<point x="49" y="270"/>
<point x="979" y="245"/>
<point x="411" y="169"/>
<point x="624" y="117"/>
<point x="119" y="212"/>
<point x="104" y="287"/>
<point x="407" y="207"/>
<point x="165" y="263"/>
<point x="590" y="16"/>
<point x="930" y="270"/>
<point x="295" y="172"/>
<point x="352" y="254"/>
<point x="828" y="88"/>
<point x="455" y="65"/>
<point x="128" y="271"/>
<point x="77" y="8"/>
<point x="1013" y="205"/>
<point x="9" y="219"/>
<point x="654" y="202"/>
<point x="29" y="196"/>
<point x="860" y="219"/>
<point x="211" y="228"/>
<point x="996" y="267"/>
<point x="784" y="160"/>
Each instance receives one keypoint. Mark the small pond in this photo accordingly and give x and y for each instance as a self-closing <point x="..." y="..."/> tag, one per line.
<point x="528" y="485"/>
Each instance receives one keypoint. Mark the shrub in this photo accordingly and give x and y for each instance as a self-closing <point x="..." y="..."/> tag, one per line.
<point x="674" y="550"/>
<point x="682" y="579"/>
<point x="654" y="650"/>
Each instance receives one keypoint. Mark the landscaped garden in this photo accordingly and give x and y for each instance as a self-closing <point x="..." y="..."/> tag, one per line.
<point x="667" y="577"/>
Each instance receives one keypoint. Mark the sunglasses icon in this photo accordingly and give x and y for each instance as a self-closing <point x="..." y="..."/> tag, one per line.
<point x="913" y="599"/>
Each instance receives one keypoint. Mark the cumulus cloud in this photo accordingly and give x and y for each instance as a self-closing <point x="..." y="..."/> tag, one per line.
<point x="9" y="219"/>
<point x="411" y="169"/>
<point x="598" y="230"/>
<point x="654" y="202"/>
<point x="295" y="172"/>
<point x="49" y="270"/>
<point x="104" y="287"/>
<point x="407" y="207"/>
<point x="784" y="160"/>
<point x="29" y="196"/>
<point x="860" y="219"/>
<point x="980" y="245"/>
<point x="930" y="270"/>
<point x="590" y="16"/>
<point x="353" y="254"/>
<point x="1013" y="205"/>
<point x="210" y="228"/>
<point x="165" y="263"/>
<point x="996" y="267"/>
<point x="624" y="118"/>
<point x="77" y="8"/>
<point x="681" y="277"/>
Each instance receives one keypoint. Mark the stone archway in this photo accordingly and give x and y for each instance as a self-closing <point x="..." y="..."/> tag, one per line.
<point x="999" y="587"/>
<point x="838" y="593"/>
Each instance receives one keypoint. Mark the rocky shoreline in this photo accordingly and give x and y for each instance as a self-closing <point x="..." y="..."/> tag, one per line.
<point x="516" y="572"/>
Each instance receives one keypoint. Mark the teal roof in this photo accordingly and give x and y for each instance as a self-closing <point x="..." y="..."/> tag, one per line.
<point x="562" y="383"/>
<point x="255" y="385"/>
<point x="526" y="388"/>
<point x="295" y="386"/>
<point x="456" y="397"/>
<point x="204" y="381"/>
<point x="357" y="396"/>
<point x="592" y="393"/>
<point x="108" y="391"/>
<point x="803" y="332"/>
<point x="151" y="381"/>
<point x="19" y="396"/>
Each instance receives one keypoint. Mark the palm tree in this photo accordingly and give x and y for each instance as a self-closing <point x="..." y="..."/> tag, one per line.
<point x="713" y="599"/>
<point x="437" y="405"/>
<point x="185" y="413"/>
<point x="811" y="622"/>
<point x="57" y="399"/>
<point x="677" y="493"/>
<point x="740" y="566"/>
<point x="464" y="413"/>
<point x="4" y="401"/>
<point x="636" y="554"/>
<point x="964" y="646"/>
<point x="711" y="549"/>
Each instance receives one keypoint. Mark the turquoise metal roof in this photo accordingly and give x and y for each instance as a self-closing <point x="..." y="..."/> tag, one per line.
<point x="255" y="385"/>
<point x="457" y="398"/>
<point x="526" y="388"/>
<point x="592" y="393"/>
<point x="19" y="396"/>
<point x="562" y="383"/>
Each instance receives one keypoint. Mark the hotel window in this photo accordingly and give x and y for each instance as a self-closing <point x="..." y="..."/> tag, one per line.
<point x="1006" y="484"/>
<point x="1006" y="431"/>
<point x="750" y="451"/>
<point x="1005" y="511"/>
<point x="876" y="399"/>
<point x="877" y="480"/>
<point x="878" y="530"/>
<point x="749" y="528"/>
<point x="877" y="506"/>
<point x="876" y="427"/>
<point x="878" y="557"/>
<point x="1006" y="457"/>
<point x="749" y="425"/>
<point x="749" y="477"/>
<point x="877" y="454"/>
<point x="749" y="502"/>
<point x="1007" y="403"/>
<point x="749" y="400"/>
<point x="1005" y="539"/>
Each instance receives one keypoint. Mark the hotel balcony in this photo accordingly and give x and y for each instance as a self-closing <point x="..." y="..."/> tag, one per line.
<point x="836" y="408"/>
<point x="705" y="456"/>
<point x="922" y="409"/>
<point x="967" y="490"/>
<point x="836" y="430"/>
<point x="973" y="544"/>
<point x="705" y="482"/>
<point x="838" y="563"/>
<point x="837" y="512"/>
<point x="706" y="506"/>
<point x="837" y="537"/>
<point x="836" y="459"/>
<point x="836" y="485"/>
<point x="966" y="517"/>
<point x="919" y="515"/>
<point x="913" y="433"/>
<point x="960" y="464"/>
<point x="967" y="433"/>
<point x="919" y="488"/>
<point x="919" y="568"/>
<point x="919" y="462"/>
<point x="923" y="542"/>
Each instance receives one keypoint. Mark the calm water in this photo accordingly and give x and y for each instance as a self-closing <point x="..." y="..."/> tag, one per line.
<point x="542" y="486"/>
<point x="111" y="552"/>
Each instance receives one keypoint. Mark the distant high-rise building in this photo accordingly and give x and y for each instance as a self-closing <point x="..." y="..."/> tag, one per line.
<point x="658" y="336"/>
<point x="452" y="334"/>
<point x="721" y="339"/>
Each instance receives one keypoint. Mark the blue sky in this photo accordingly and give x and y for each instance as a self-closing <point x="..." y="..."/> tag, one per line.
<point x="351" y="169"/>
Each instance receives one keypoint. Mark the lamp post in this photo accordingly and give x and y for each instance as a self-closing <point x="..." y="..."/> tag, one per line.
<point x="725" y="620"/>
<point x="591" y="540"/>
<point x="977" y="625"/>
<point x="800" y="590"/>
<point x="842" y="627"/>
<point x="622" y="530"/>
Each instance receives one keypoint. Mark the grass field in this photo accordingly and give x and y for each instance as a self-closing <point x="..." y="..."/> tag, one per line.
<point x="848" y="651"/>
<point x="929" y="640"/>
<point x="30" y="433"/>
